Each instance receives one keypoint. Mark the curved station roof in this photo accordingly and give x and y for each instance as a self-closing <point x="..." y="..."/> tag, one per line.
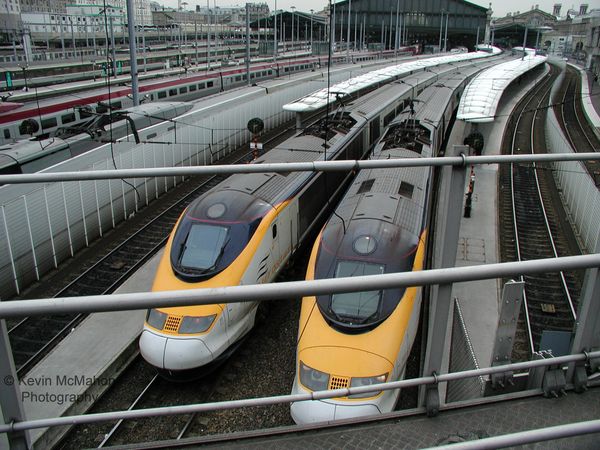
<point x="482" y="95"/>
<point x="320" y="98"/>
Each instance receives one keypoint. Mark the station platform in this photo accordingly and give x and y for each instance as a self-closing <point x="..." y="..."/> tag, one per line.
<point x="67" y="381"/>
<point x="590" y="96"/>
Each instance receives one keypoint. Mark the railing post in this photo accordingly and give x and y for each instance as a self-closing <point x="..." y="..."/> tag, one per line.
<point x="10" y="393"/>
<point x="451" y="193"/>
<point x="587" y="334"/>
<point x="512" y="299"/>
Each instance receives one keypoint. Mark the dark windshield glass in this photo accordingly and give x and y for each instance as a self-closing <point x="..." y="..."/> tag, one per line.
<point x="213" y="232"/>
<point x="203" y="247"/>
<point x="356" y="306"/>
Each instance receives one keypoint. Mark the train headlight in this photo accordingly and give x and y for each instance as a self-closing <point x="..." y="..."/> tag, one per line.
<point x="367" y="381"/>
<point x="313" y="379"/>
<point x="156" y="319"/>
<point x="191" y="324"/>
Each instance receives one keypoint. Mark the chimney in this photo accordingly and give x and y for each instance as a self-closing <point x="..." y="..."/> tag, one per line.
<point x="583" y="9"/>
<point x="556" y="11"/>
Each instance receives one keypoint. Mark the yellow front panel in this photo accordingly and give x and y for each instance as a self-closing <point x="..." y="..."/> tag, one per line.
<point x="354" y="355"/>
<point x="165" y="279"/>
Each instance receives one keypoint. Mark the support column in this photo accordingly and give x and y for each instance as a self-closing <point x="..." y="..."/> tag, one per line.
<point x="132" y="53"/>
<point x="587" y="334"/>
<point x="10" y="393"/>
<point x="451" y="193"/>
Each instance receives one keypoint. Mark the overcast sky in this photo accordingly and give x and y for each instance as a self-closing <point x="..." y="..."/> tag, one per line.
<point x="500" y="8"/>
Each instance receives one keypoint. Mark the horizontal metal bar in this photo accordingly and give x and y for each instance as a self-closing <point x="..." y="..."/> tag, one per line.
<point x="292" y="289"/>
<point x="323" y="166"/>
<point x="317" y="395"/>
<point x="526" y="437"/>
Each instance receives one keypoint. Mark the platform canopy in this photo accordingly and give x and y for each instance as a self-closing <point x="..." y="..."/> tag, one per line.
<point x="320" y="98"/>
<point x="482" y="95"/>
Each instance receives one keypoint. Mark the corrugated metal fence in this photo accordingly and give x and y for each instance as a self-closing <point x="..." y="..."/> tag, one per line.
<point x="580" y="195"/>
<point x="42" y="225"/>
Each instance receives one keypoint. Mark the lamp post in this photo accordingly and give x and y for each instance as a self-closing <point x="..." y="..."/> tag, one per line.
<point x="293" y="8"/>
<point x="441" y="29"/>
<point x="312" y="11"/>
<point x="348" y="32"/>
<point x="275" y="34"/>
<point x="397" y="35"/>
<point x="24" y="69"/>
<point x="524" y="42"/>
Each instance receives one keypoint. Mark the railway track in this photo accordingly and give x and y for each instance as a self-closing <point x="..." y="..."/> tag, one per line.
<point x="576" y="128"/>
<point x="533" y="227"/>
<point x="33" y="337"/>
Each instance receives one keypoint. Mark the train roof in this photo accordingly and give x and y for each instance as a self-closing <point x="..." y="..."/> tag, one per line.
<point x="378" y="194"/>
<point x="24" y="151"/>
<point x="320" y="98"/>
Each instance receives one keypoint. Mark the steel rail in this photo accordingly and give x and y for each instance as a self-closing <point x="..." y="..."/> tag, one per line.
<point x="514" y="209"/>
<point x="113" y="430"/>
<point x="316" y="166"/>
<point x="291" y="289"/>
<point x="265" y="401"/>
<point x="563" y="108"/>
<point x="545" y="214"/>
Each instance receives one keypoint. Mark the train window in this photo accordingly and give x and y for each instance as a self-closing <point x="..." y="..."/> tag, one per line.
<point x="116" y="105"/>
<point x="388" y="118"/>
<point x="172" y="92"/>
<point x="49" y="123"/>
<point x="171" y="128"/>
<point x="406" y="189"/>
<point x="270" y="72"/>
<point x="238" y="78"/>
<point x="210" y="84"/>
<point x="67" y="118"/>
<point x="193" y="88"/>
<point x="162" y="94"/>
<point x="356" y="305"/>
<point x="198" y="256"/>
<point x="264" y="73"/>
<point x="6" y="133"/>
<point x="183" y="90"/>
<point x="84" y="112"/>
<point x="274" y="230"/>
<point x="374" y="128"/>
<point x="151" y="97"/>
<point x="366" y="186"/>
<point x="151" y="135"/>
<point x="201" y="86"/>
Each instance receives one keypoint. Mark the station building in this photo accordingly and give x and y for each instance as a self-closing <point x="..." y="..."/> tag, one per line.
<point x="432" y="23"/>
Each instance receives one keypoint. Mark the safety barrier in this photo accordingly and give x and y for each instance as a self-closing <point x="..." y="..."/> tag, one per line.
<point x="580" y="195"/>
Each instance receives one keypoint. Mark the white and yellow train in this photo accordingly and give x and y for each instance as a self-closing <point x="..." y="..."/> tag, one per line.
<point x="380" y="226"/>
<point x="244" y="230"/>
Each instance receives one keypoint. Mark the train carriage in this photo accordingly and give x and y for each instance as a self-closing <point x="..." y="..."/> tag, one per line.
<point x="380" y="226"/>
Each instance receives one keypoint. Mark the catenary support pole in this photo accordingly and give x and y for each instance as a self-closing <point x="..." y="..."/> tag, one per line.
<point x="135" y="92"/>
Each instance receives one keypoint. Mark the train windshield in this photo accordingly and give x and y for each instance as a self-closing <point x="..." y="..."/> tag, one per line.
<point x="204" y="246"/>
<point x="356" y="307"/>
<point x="213" y="232"/>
